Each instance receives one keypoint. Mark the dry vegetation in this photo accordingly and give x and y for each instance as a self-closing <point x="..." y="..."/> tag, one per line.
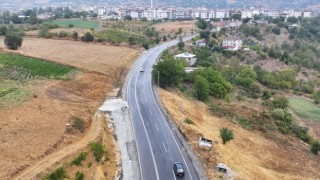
<point x="173" y="27"/>
<point x="252" y="154"/>
<point x="40" y="126"/>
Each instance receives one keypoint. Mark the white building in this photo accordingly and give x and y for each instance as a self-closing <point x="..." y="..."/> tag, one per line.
<point x="190" y="59"/>
<point x="307" y="14"/>
<point x="232" y="43"/>
<point x="246" y="14"/>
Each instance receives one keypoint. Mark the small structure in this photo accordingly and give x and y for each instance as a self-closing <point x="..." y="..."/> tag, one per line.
<point x="189" y="58"/>
<point x="220" y="167"/>
<point x="201" y="42"/>
<point x="205" y="142"/>
<point x="232" y="43"/>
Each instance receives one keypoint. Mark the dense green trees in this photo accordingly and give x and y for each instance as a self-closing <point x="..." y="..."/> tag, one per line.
<point x="201" y="88"/>
<point x="218" y="86"/>
<point x="13" y="41"/>
<point x="171" y="72"/>
<point x="202" y="24"/>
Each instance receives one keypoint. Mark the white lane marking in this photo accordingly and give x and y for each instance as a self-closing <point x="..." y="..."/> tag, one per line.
<point x="164" y="147"/>
<point x="145" y="130"/>
<point x="157" y="127"/>
<point x="174" y="175"/>
<point x="166" y="123"/>
<point x="145" y="99"/>
<point x="134" y="133"/>
<point x="150" y="110"/>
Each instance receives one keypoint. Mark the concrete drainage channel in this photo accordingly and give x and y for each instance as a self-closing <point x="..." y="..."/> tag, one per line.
<point x="119" y="119"/>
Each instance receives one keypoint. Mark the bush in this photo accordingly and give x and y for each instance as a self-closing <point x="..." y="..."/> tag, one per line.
<point x="77" y="161"/>
<point x="98" y="150"/>
<point x="277" y="113"/>
<point x="78" y="123"/>
<point x="266" y="95"/>
<point x="13" y="41"/>
<point x="280" y="102"/>
<point x="75" y="35"/>
<point x="88" y="37"/>
<point x="57" y="174"/>
<point x="79" y="176"/>
<point x="301" y="133"/>
<point x="315" y="147"/>
<point x="188" y="121"/>
<point x="226" y="135"/>
<point x="63" y="34"/>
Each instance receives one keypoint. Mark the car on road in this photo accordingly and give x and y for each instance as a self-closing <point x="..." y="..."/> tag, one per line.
<point x="178" y="169"/>
<point x="145" y="52"/>
<point x="141" y="70"/>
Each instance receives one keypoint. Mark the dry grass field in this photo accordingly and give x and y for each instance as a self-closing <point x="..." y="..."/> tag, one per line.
<point x="92" y="57"/>
<point x="251" y="155"/>
<point x="38" y="127"/>
<point x="173" y="27"/>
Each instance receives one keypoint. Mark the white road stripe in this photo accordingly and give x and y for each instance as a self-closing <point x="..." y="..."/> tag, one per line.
<point x="174" y="175"/>
<point x="157" y="127"/>
<point x="150" y="112"/>
<point x="164" y="147"/>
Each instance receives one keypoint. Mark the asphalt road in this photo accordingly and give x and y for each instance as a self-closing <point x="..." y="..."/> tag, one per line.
<point x="158" y="147"/>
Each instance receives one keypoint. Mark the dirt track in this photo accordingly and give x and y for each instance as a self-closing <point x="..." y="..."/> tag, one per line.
<point x="49" y="161"/>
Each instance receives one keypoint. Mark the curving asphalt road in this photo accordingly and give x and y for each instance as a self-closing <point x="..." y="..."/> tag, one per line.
<point x="158" y="146"/>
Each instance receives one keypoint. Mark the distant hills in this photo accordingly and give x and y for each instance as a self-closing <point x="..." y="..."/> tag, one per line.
<point x="281" y="4"/>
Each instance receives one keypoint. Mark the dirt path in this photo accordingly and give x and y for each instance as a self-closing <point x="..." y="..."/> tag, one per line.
<point x="49" y="161"/>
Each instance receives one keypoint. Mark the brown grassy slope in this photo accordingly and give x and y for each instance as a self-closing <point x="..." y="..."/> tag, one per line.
<point x="250" y="154"/>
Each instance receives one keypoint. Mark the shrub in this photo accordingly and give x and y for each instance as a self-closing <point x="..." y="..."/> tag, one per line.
<point x="79" y="176"/>
<point x="280" y="102"/>
<point x="88" y="37"/>
<point x="266" y="95"/>
<point x="98" y="150"/>
<point x="277" y="113"/>
<point x="188" y="121"/>
<point x="75" y="35"/>
<point x="13" y="41"/>
<point x="63" y="34"/>
<point x="315" y="147"/>
<point x="77" y="161"/>
<point x="226" y="135"/>
<point x="301" y="133"/>
<point x="78" y="123"/>
<point x="70" y="25"/>
<point x="57" y="174"/>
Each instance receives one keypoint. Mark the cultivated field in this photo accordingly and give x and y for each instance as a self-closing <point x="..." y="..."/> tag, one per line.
<point x="41" y="99"/>
<point x="77" y="23"/>
<point x="94" y="57"/>
<point x="252" y="154"/>
<point x="305" y="109"/>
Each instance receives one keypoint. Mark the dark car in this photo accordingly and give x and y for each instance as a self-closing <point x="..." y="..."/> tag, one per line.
<point x="178" y="169"/>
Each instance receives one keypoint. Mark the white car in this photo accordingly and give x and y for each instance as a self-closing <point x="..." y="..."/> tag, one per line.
<point x="145" y="52"/>
<point x="141" y="70"/>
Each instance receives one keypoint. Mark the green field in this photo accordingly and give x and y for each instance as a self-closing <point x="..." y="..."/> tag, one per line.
<point x="17" y="67"/>
<point x="305" y="109"/>
<point x="85" y="24"/>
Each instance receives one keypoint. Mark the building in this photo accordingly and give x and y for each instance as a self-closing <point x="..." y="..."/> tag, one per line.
<point x="232" y="43"/>
<point x="201" y="42"/>
<point x="189" y="58"/>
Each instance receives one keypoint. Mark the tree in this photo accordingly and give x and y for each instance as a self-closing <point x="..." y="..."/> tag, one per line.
<point x="205" y="34"/>
<point x="171" y="72"/>
<point x="226" y="135"/>
<point x="201" y="88"/>
<point x="144" y="19"/>
<point x="276" y="30"/>
<point x="88" y="37"/>
<point x="202" y="24"/>
<point x="128" y="17"/>
<point x="181" y="43"/>
<point x="236" y="16"/>
<point x="145" y="45"/>
<point x="15" y="19"/>
<point x="3" y="30"/>
<point x="292" y="20"/>
<point x="13" y="41"/>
